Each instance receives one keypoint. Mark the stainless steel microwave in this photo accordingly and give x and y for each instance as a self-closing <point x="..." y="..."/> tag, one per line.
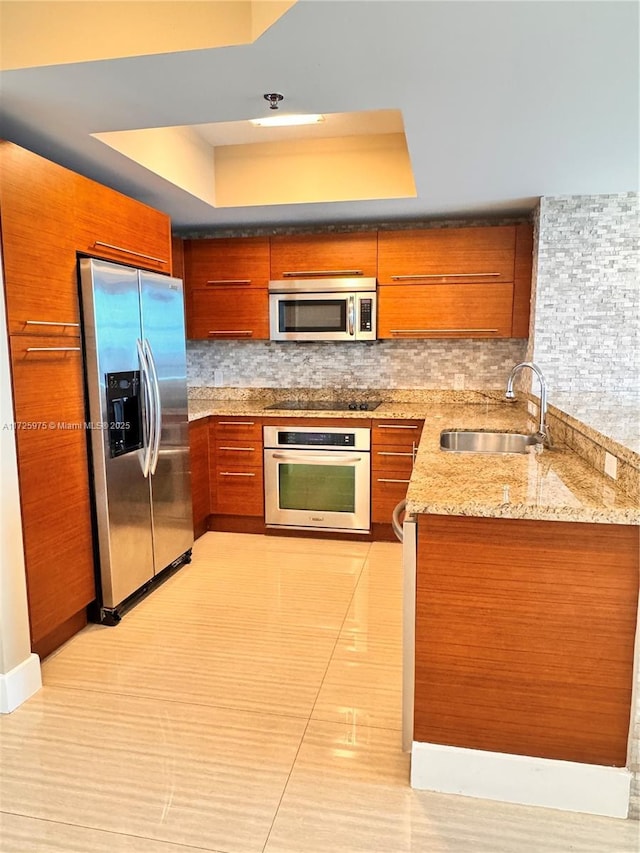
<point x="330" y="309"/>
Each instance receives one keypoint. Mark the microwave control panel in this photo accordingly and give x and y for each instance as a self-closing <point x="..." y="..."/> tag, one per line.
<point x="366" y="315"/>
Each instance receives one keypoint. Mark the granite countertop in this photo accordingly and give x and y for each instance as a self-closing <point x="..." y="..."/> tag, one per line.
<point x="552" y="484"/>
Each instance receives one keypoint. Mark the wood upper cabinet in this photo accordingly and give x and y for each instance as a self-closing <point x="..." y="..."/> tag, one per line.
<point x="314" y="255"/>
<point x="484" y="254"/>
<point x="445" y="311"/>
<point x="37" y="207"/>
<point x="54" y="484"/>
<point x="233" y="262"/>
<point x="226" y="288"/>
<point x="118" y="228"/>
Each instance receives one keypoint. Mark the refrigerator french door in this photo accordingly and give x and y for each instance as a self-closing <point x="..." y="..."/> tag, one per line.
<point x="133" y="327"/>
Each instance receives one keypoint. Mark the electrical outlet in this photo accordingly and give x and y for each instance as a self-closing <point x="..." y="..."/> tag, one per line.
<point x="458" y="382"/>
<point x="218" y="378"/>
<point x="611" y="465"/>
<point x="532" y="408"/>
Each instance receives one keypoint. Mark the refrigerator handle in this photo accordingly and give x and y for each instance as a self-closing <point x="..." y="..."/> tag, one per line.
<point x="146" y="419"/>
<point x="157" y="406"/>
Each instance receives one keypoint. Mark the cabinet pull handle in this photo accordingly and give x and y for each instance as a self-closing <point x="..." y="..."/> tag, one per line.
<point x="236" y="423"/>
<point x="238" y="449"/>
<point x="388" y="480"/>
<point x="414" y="450"/>
<point x="446" y="275"/>
<point x="235" y="474"/>
<point x="245" y="333"/>
<point x="431" y="331"/>
<point x="130" y="252"/>
<point x="49" y="323"/>
<point x="393" y="453"/>
<point x="226" y="281"/>
<point x="53" y="349"/>
<point x="396" y="426"/>
<point x="296" y="273"/>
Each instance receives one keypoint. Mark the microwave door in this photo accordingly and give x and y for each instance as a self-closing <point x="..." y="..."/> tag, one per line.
<point x="311" y="316"/>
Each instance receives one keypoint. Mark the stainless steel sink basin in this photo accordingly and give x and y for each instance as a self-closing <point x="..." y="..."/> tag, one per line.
<point x="485" y="442"/>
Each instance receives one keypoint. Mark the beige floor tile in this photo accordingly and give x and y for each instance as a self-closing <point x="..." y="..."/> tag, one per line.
<point x="30" y="835"/>
<point x="163" y="770"/>
<point x="232" y="666"/>
<point x="344" y="701"/>
<point x="349" y="793"/>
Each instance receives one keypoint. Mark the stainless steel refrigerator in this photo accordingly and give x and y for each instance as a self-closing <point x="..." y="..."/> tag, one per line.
<point x="134" y="338"/>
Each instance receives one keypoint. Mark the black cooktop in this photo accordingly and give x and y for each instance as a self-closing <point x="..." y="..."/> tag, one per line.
<point x="325" y="406"/>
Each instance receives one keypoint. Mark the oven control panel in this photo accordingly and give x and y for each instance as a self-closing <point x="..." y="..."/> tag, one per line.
<point x="328" y="438"/>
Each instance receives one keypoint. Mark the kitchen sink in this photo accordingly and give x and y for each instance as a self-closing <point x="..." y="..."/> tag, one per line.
<point x="485" y="442"/>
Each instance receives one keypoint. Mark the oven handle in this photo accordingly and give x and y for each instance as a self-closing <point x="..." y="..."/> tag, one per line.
<point x="333" y="458"/>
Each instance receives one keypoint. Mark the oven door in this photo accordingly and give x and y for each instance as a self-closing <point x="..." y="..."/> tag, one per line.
<point x="324" y="489"/>
<point x="312" y="316"/>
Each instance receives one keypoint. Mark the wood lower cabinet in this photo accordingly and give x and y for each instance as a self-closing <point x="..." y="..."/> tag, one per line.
<point x="237" y="486"/>
<point x="199" y="453"/>
<point x="228" y="313"/>
<point x="54" y="485"/>
<point x="37" y="200"/>
<point x="393" y="448"/>
<point x="118" y="228"/>
<point x="525" y="636"/>
<point x="316" y="255"/>
<point x="445" y="311"/>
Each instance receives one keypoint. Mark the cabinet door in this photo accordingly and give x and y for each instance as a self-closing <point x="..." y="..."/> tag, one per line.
<point x="239" y="490"/>
<point x="233" y="262"/>
<point x="388" y="488"/>
<point x="118" y="228"/>
<point x="199" y="449"/>
<point x="445" y="311"/>
<point x="317" y="255"/>
<point x="54" y="485"/>
<point x="37" y="208"/>
<point x="447" y="254"/>
<point x="226" y="313"/>
<point x="395" y="434"/>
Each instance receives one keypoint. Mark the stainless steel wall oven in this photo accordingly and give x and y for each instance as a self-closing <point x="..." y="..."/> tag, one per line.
<point x="317" y="477"/>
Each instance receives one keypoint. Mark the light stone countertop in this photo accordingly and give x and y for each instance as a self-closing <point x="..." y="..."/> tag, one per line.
<point x="554" y="484"/>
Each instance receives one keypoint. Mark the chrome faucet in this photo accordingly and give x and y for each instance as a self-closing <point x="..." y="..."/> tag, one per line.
<point x="543" y="435"/>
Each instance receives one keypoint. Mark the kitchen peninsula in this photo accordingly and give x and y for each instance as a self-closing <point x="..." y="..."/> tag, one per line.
<point x="526" y="602"/>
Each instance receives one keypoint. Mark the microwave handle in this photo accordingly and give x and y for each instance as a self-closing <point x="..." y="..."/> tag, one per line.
<point x="352" y="315"/>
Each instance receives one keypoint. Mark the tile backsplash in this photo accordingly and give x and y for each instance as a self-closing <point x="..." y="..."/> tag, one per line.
<point x="439" y="364"/>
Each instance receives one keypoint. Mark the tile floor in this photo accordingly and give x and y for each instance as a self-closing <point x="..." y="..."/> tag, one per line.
<point x="252" y="703"/>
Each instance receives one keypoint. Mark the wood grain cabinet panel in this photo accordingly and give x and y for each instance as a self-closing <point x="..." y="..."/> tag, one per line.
<point x="228" y="313"/>
<point x="525" y="636"/>
<point x="314" y="255"/>
<point x="115" y="227"/>
<point x="445" y="311"/>
<point x="199" y="452"/>
<point x="54" y="483"/>
<point x="401" y="432"/>
<point x="393" y="447"/>
<point x="237" y="484"/>
<point x="226" y="262"/>
<point x="447" y="254"/>
<point x="37" y="206"/>
<point x="388" y="488"/>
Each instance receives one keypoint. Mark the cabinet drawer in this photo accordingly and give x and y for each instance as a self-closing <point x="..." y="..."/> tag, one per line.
<point x="392" y="458"/>
<point x="485" y="254"/>
<point x="236" y="453"/>
<point x="239" y="490"/>
<point x="297" y="256"/>
<point x="226" y="262"/>
<point x="399" y="434"/>
<point x="387" y="490"/>
<point x="445" y="311"/>
<point x="237" y="430"/>
<point x="226" y="313"/>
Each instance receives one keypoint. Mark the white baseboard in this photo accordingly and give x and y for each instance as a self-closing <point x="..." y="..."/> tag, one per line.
<point x="566" y="785"/>
<point x="19" y="684"/>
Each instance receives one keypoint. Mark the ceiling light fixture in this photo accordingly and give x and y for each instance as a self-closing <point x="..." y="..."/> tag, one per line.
<point x="286" y="120"/>
<point x="274" y="99"/>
